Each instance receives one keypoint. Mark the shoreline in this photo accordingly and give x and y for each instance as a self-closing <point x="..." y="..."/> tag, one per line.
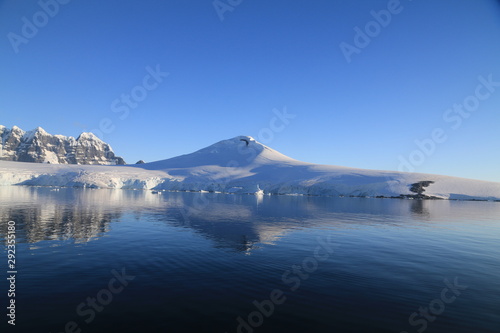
<point x="159" y="191"/>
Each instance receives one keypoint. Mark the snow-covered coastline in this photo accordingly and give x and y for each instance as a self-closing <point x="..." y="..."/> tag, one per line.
<point x="243" y="165"/>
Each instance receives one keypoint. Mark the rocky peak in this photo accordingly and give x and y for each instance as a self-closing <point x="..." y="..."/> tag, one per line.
<point x="39" y="146"/>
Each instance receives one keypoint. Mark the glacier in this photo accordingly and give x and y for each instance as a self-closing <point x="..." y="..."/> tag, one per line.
<point x="244" y="165"/>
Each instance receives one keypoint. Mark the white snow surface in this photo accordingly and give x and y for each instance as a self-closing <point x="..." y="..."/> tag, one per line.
<point x="233" y="166"/>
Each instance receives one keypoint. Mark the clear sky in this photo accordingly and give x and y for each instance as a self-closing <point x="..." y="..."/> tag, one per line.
<point x="351" y="83"/>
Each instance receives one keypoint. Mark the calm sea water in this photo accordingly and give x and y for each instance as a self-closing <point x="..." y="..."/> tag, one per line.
<point x="135" y="261"/>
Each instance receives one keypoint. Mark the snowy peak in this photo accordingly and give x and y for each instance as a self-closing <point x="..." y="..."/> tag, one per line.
<point x="239" y="144"/>
<point x="39" y="146"/>
<point x="30" y="135"/>
<point x="240" y="151"/>
<point x="89" y="137"/>
<point x="16" y="129"/>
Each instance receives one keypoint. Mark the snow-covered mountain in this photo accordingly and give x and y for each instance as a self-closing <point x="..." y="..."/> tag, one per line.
<point x="243" y="165"/>
<point x="39" y="146"/>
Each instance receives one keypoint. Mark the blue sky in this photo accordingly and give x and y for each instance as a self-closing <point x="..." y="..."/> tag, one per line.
<point x="234" y="69"/>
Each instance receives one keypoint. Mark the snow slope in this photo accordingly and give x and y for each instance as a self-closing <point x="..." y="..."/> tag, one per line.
<point x="94" y="176"/>
<point x="243" y="165"/>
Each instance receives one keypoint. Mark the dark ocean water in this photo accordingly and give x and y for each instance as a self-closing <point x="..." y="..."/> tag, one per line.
<point x="135" y="261"/>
